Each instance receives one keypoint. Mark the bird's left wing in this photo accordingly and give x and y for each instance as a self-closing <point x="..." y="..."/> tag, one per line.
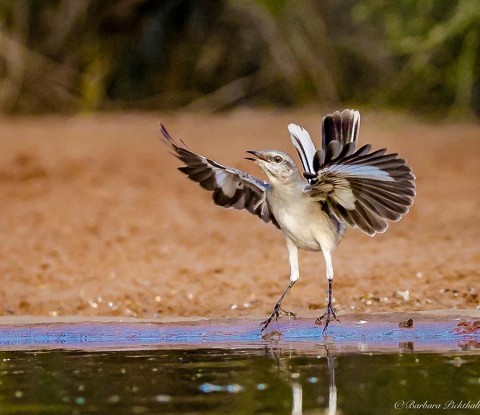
<point x="231" y="187"/>
<point x="363" y="188"/>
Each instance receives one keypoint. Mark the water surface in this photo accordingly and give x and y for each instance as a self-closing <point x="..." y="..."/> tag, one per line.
<point x="227" y="367"/>
<point x="235" y="381"/>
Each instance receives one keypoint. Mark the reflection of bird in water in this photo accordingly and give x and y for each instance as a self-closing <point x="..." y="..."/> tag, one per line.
<point x="332" y="389"/>
<point x="341" y="185"/>
<point x="294" y="378"/>
<point x="297" y="405"/>
<point x="297" y="391"/>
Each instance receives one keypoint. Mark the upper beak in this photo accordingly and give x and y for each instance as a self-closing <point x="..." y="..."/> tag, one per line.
<point x="257" y="154"/>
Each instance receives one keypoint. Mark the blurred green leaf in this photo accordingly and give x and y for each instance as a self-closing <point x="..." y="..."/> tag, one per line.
<point x="60" y="55"/>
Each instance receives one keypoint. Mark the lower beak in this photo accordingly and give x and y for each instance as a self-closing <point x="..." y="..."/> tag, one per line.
<point x="257" y="154"/>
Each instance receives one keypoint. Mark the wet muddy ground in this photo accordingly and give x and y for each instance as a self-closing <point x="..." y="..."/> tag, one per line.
<point x="386" y="332"/>
<point x="97" y="221"/>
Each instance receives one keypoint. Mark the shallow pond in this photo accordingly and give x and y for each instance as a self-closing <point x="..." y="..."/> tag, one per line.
<point x="237" y="381"/>
<point x="226" y="367"/>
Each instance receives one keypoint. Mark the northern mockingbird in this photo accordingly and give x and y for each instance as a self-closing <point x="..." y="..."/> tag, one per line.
<point x="341" y="186"/>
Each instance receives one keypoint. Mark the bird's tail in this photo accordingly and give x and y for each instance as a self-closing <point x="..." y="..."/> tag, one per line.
<point x="340" y="126"/>
<point x="339" y="130"/>
<point x="339" y="136"/>
<point x="304" y="145"/>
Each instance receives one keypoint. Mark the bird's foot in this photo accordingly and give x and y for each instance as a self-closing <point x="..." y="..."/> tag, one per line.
<point x="277" y="311"/>
<point x="289" y="314"/>
<point x="329" y="312"/>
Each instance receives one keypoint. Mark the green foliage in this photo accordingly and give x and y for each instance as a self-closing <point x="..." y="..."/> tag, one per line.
<point x="436" y="46"/>
<point x="59" y="55"/>
<point x="274" y="7"/>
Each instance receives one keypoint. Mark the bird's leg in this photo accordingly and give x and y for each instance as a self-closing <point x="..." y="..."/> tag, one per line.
<point x="277" y="309"/>
<point x="330" y="311"/>
<point x="294" y="275"/>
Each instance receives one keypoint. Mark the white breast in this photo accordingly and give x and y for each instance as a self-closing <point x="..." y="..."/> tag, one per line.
<point x="303" y="221"/>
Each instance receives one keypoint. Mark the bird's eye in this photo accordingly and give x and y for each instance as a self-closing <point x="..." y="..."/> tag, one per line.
<point x="277" y="159"/>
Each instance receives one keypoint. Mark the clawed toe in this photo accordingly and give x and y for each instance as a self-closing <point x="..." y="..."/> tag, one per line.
<point x="330" y="312"/>
<point x="326" y="316"/>
<point x="289" y="314"/>
<point x="277" y="311"/>
<point x="264" y="324"/>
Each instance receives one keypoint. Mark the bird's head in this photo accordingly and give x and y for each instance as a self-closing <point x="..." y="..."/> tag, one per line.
<point x="277" y="165"/>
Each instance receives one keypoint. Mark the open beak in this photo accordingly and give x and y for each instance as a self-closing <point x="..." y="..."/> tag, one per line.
<point x="258" y="156"/>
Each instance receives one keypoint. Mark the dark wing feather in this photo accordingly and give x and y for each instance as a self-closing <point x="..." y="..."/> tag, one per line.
<point x="364" y="189"/>
<point x="230" y="187"/>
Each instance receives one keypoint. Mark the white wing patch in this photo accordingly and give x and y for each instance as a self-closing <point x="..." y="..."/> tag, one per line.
<point x="226" y="183"/>
<point x="304" y="145"/>
<point x="359" y="171"/>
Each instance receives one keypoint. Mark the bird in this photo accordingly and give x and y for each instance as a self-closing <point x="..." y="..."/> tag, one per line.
<point x="340" y="187"/>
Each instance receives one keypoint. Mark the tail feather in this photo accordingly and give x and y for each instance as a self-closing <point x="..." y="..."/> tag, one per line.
<point x="339" y="136"/>
<point x="340" y="126"/>
<point x="304" y="146"/>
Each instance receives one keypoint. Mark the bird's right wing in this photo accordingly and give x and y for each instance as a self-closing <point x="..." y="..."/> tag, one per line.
<point x="231" y="187"/>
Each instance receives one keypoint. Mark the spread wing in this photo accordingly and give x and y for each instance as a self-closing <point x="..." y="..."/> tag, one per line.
<point x="363" y="188"/>
<point x="231" y="187"/>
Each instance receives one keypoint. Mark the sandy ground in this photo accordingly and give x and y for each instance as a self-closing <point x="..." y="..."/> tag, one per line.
<point x="95" y="220"/>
